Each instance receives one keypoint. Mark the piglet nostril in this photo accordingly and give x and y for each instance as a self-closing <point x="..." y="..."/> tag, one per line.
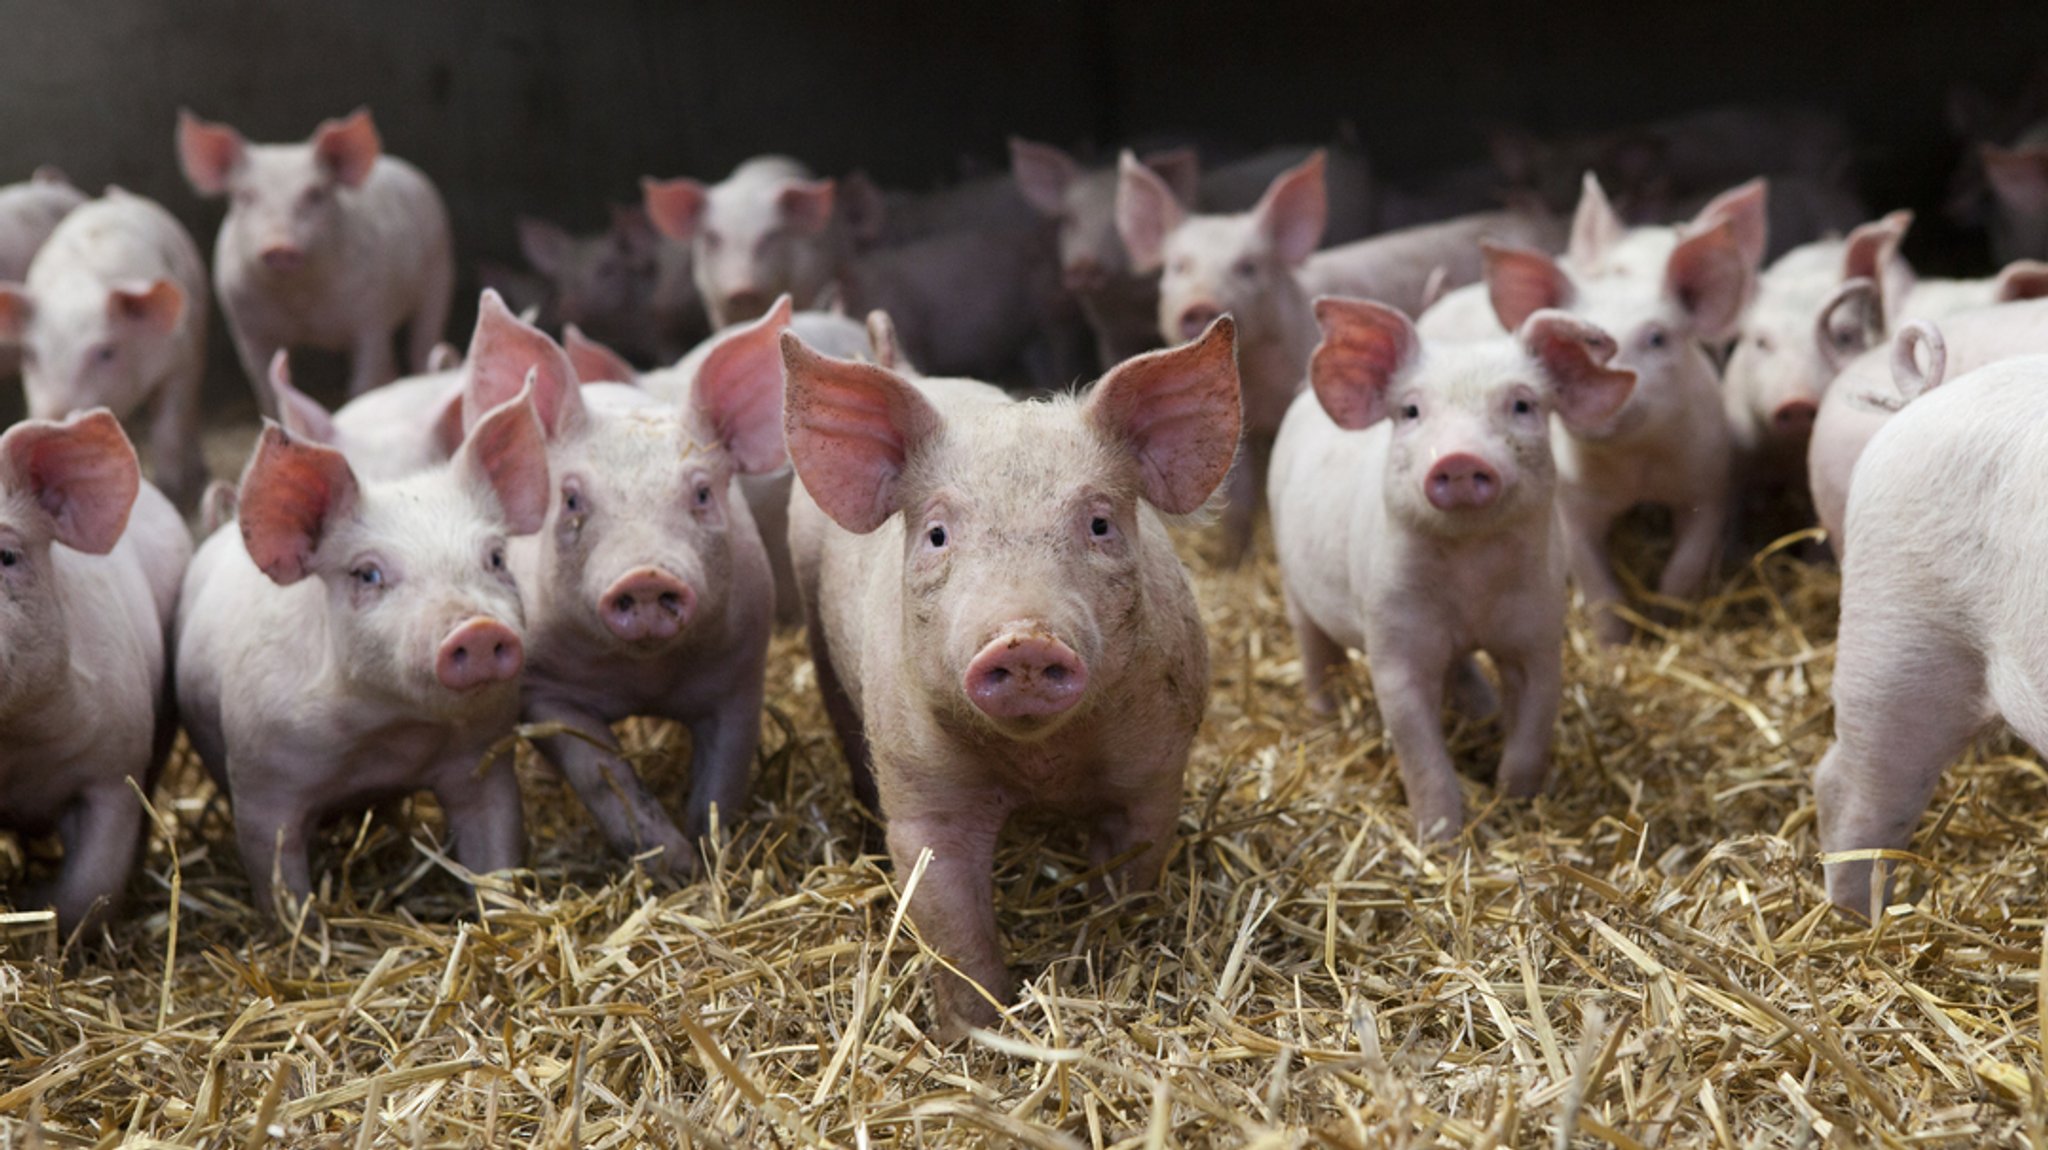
<point x="671" y="602"/>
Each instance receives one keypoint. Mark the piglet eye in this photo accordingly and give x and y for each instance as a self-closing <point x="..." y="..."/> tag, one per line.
<point x="1523" y="407"/>
<point x="497" y="558"/>
<point x="9" y="557"/>
<point x="368" y="575"/>
<point x="704" y="495"/>
<point x="103" y="353"/>
<point x="1099" y="527"/>
<point x="1410" y="411"/>
<point x="1656" y="337"/>
<point x="1244" y="269"/>
<point x="937" y="535"/>
<point x="571" y="501"/>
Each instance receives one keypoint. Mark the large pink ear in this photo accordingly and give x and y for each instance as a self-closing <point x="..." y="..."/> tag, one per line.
<point x="862" y="208"/>
<point x="1042" y="173"/>
<point x="508" y="452"/>
<point x="1575" y="353"/>
<point x="806" y="205"/>
<point x="546" y="246"/>
<point x="1521" y="282"/>
<point x="1146" y="213"/>
<point x="1872" y="245"/>
<point x="301" y="414"/>
<point x="348" y="147"/>
<point x="1181" y="168"/>
<point x="157" y="305"/>
<point x="1178" y="411"/>
<point x="1596" y="227"/>
<point x="1709" y="277"/>
<point x="502" y="354"/>
<point x="17" y="307"/>
<point x="676" y="206"/>
<point x="81" y="472"/>
<point x="2021" y="279"/>
<point x="852" y="428"/>
<point x="209" y="153"/>
<point x="592" y="361"/>
<point x="50" y="174"/>
<point x="738" y="390"/>
<point x="2018" y="176"/>
<point x="1850" y="323"/>
<point x="1746" y="207"/>
<point x="1295" y="209"/>
<point x="1365" y="346"/>
<point x="883" y="346"/>
<point x="291" y="493"/>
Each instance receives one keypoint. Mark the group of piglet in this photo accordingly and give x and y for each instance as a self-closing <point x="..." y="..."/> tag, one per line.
<point x="1445" y="422"/>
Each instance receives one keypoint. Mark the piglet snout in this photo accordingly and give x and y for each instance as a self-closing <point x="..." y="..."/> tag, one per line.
<point x="1794" y="417"/>
<point x="1462" y="483"/>
<point x="477" y="653"/>
<point x="1026" y="674"/>
<point x="648" y="603"/>
<point x="283" y="257"/>
<point x="1196" y="320"/>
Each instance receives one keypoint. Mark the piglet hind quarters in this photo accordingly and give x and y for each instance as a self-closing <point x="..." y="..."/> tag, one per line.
<point x="998" y="620"/>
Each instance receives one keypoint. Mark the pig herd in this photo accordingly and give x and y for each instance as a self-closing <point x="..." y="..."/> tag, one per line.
<point x="1444" y="399"/>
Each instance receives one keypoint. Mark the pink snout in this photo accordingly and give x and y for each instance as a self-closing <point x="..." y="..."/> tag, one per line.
<point x="1196" y="320"/>
<point x="479" y="652"/>
<point x="1462" y="483"/>
<point x="648" y="603"/>
<point x="1794" y="417"/>
<point x="1026" y="675"/>
<point x="283" y="257"/>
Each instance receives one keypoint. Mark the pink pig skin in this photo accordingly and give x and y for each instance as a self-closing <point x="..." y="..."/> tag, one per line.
<point x="29" y="212"/>
<point x="1942" y="607"/>
<point x="327" y="244"/>
<point x="349" y="641"/>
<point x="1414" y="511"/>
<point x="768" y="229"/>
<point x="113" y="314"/>
<point x="997" y="617"/>
<point x="90" y="561"/>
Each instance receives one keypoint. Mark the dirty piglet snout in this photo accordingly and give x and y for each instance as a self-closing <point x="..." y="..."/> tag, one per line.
<point x="648" y="604"/>
<point x="1795" y="417"/>
<point x="1023" y="675"/>
<point x="1462" y="482"/>
<point x="282" y="257"/>
<point x="478" y="653"/>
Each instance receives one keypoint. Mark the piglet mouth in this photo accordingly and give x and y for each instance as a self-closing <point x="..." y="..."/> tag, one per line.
<point x="1025" y="675"/>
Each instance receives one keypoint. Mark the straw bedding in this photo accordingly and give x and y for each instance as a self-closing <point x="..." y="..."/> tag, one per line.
<point x="1643" y="958"/>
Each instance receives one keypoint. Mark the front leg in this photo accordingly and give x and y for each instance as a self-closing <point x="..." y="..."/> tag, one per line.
<point x="1410" y="688"/>
<point x="483" y="812"/>
<point x="174" y="445"/>
<point x="1532" y="682"/>
<point x="631" y="819"/>
<point x="722" y="747"/>
<point x="1586" y="530"/>
<point x="372" y="365"/>
<point x="954" y="911"/>
<point x="1699" y="530"/>
<point x="100" y="832"/>
<point x="256" y="348"/>
<point x="1148" y="822"/>
<point x="272" y="827"/>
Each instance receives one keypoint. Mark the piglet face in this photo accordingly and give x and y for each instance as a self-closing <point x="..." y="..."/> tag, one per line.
<point x="421" y="604"/>
<point x="597" y="279"/>
<point x="284" y="200"/>
<point x="87" y="345"/>
<point x="1023" y="524"/>
<point x="751" y="237"/>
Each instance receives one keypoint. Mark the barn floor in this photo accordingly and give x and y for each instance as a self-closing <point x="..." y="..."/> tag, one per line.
<point x="1645" y="956"/>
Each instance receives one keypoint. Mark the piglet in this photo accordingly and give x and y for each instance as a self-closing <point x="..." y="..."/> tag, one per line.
<point x="327" y="244"/>
<point x="90" y="559"/>
<point x="113" y="314"/>
<point x="1942" y="614"/>
<point x="1414" y="509"/>
<point x="766" y="230"/>
<point x="349" y="641"/>
<point x="997" y="617"/>
<point x="29" y="212"/>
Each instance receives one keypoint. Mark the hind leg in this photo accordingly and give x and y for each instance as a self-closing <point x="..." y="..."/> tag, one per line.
<point x="1320" y="655"/>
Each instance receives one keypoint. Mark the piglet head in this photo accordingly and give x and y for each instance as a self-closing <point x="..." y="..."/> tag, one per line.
<point x="752" y="237"/>
<point x="100" y="348"/>
<point x="1024" y="527"/>
<point x="421" y="606"/>
<point x="284" y="200"/>
<point x="598" y="280"/>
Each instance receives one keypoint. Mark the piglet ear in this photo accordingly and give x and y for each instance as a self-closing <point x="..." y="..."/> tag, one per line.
<point x="157" y="304"/>
<point x="546" y="246"/>
<point x="1178" y="411"/>
<point x="1042" y="173"/>
<point x="1521" y="282"/>
<point x="1146" y="213"/>
<point x="852" y="429"/>
<point x="50" y="174"/>
<point x="209" y="153"/>
<point x="507" y="452"/>
<point x="738" y="390"/>
<point x="2021" y="279"/>
<point x="1596" y="227"/>
<point x="2018" y="177"/>
<point x="82" y="473"/>
<point x="1850" y="323"/>
<point x="302" y="416"/>
<point x="1180" y="168"/>
<point x="676" y="206"/>
<point x="292" y="492"/>
<point x="1870" y="248"/>
<point x="16" y="309"/>
<point x="503" y="353"/>
<point x="862" y="209"/>
<point x="593" y="361"/>
<point x="1746" y="207"/>
<point x="883" y="345"/>
<point x="348" y="147"/>
<point x="1296" y="206"/>
<point x="806" y="205"/>
<point x="1710" y="277"/>
<point x="1365" y="347"/>
<point x="1575" y="353"/>
<point x="443" y="357"/>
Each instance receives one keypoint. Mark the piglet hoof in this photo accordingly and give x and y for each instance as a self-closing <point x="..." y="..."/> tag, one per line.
<point x="1322" y="704"/>
<point x="1438" y="821"/>
<point x="959" y="1008"/>
<point x="1523" y="783"/>
<point x="1612" y="630"/>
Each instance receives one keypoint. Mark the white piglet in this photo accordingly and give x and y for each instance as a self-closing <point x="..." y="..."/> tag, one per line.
<point x="1414" y="511"/>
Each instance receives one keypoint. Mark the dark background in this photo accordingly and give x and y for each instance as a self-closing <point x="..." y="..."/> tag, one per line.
<point x="554" y="109"/>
